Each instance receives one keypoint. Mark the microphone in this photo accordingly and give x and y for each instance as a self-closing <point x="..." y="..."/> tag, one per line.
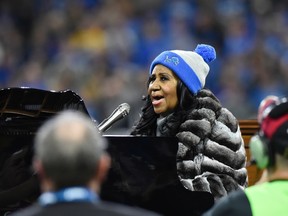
<point x="120" y="112"/>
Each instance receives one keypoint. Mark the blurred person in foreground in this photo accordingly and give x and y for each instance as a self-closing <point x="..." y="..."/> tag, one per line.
<point x="71" y="162"/>
<point x="269" y="149"/>
<point x="211" y="156"/>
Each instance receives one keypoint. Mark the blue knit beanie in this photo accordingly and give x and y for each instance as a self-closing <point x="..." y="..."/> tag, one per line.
<point x="190" y="66"/>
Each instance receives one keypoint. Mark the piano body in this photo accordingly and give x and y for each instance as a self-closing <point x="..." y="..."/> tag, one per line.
<point x="143" y="171"/>
<point x="144" y="174"/>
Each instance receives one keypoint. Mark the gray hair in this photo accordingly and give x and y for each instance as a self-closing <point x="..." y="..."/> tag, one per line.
<point x="69" y="146"/>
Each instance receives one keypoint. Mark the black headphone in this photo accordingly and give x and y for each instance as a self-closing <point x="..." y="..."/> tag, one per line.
<point x="272" y="114"/>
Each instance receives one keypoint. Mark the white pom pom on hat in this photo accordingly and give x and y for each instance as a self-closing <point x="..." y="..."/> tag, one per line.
<point x="190" y="66"/>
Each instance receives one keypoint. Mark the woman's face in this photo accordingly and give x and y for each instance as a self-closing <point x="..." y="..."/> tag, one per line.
<point x="162" y="90"/>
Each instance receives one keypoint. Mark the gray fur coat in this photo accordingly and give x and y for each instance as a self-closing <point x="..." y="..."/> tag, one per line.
<point x="211" y="155"/>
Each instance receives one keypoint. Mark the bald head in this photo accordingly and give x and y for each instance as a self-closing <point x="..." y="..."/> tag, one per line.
<point x="69" y="147"/>
<point x="72" y="131"/>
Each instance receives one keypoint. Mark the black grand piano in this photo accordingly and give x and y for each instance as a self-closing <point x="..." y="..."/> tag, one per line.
<point x="143" y="171"/>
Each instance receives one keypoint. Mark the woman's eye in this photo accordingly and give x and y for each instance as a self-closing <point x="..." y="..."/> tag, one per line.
<point x="164" y="78"/>
<point x="160" y="78"/>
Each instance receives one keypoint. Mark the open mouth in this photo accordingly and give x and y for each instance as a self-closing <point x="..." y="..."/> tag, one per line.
<point x="156" y="99"/>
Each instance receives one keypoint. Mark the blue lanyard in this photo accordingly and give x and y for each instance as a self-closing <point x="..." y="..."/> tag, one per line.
<point x="73" y="194"/>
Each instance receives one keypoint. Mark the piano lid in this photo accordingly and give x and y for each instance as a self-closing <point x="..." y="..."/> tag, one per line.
<point x="23" y="110"/>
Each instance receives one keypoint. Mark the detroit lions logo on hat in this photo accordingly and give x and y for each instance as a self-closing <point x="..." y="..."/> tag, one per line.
<point x="173" y="60"/>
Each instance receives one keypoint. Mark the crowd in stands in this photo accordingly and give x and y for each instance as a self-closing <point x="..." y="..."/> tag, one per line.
<point x="102" y="49"/>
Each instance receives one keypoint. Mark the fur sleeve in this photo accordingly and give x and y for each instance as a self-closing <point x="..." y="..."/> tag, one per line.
<point x="211" y="155"/>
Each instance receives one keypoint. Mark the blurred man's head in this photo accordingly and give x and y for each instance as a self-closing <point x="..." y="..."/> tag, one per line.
<point x="69" y="151"/>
